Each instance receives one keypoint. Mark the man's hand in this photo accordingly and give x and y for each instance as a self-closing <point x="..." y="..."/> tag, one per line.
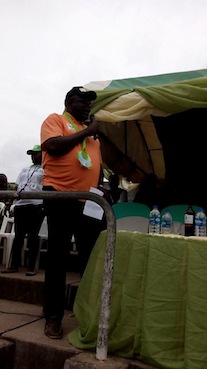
<point x="93" y="128"/>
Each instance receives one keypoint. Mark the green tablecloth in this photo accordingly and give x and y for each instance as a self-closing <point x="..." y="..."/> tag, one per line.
<point x="158" y="302"/>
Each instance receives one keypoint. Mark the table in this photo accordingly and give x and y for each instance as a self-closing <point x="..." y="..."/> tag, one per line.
<point x="158" y="302"/>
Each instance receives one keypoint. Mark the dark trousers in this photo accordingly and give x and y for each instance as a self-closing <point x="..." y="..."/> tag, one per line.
<point x="27" y="221"/>
<point x="65" y="218"/>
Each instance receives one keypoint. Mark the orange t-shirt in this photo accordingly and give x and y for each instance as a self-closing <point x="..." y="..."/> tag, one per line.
<point x="65" y="173"/>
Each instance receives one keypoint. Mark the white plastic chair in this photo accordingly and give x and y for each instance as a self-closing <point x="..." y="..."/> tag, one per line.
<point x="2" y="207"/>
<point x="2" y="212"/>
<point x="6" y="238"/>
<point x="43" y="236"/>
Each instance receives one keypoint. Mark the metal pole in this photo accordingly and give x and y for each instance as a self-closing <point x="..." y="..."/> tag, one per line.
<point x="103" y="328"/>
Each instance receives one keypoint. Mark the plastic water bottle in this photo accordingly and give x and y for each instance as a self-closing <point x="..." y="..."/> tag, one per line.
<point x="154" y="220"/>
<point x="200" y="223"/>
<point x="166" y="223"/>
<point x="189" y="221"/>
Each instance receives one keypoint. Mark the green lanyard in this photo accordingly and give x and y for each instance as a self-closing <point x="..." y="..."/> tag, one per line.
<point x="82" y="155"/>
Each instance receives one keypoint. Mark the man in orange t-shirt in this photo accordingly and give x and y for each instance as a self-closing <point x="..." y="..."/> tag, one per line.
<point x="71" y="160"/>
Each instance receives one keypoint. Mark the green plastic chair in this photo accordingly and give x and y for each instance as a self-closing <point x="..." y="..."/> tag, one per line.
<point x="131" y="216"/>
<point x="178" y="211"/>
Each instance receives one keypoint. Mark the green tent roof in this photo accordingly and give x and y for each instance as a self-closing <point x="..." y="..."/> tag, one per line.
<point x="160" y="79"/>
<point x="171" y="93"/>
<point x="129" y="139"/>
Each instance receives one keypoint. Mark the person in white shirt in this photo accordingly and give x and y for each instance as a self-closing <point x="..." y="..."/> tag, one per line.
<point x="28" y="214"/>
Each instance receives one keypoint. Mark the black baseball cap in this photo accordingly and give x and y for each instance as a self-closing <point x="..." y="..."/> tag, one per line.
<point x="81" y="92"/>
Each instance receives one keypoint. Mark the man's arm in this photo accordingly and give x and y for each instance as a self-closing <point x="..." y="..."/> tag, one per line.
<point x="57" y="146"/>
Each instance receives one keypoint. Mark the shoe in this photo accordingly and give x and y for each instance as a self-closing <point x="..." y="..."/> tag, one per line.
<point x="53" y="328"/>
<point x="30" y="272"/>
<point x="9" y="270"/>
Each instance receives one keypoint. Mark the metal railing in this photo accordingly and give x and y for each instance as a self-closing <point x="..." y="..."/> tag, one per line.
<point x="103" y="327"/>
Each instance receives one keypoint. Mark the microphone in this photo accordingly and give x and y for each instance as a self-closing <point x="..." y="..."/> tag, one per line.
<point x="92" y="120"/>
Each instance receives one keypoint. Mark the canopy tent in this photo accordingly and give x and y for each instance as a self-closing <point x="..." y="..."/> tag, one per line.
<point x="148" y="123"/>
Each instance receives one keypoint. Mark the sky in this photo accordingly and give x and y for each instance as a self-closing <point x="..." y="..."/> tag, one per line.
<point x="49" y="46"/>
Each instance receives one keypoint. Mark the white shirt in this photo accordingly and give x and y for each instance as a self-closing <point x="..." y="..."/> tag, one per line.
<point x="30" y="180"/>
